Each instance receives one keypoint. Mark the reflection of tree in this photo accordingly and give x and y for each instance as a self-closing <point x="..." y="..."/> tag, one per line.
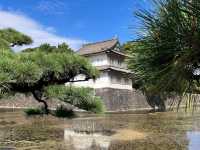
<point x="95" y="146"/>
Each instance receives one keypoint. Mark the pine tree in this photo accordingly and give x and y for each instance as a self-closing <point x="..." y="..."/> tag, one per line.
<point x="35" y="69"/>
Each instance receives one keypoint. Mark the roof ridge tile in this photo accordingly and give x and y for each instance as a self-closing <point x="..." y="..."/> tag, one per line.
<point x="98" y="42"/>
<point x="97" y="47"/>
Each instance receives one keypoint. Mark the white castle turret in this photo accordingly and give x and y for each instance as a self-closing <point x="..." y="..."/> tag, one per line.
<point x="110" y="61"/>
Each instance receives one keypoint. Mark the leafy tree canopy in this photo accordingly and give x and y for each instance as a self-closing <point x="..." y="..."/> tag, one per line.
<point x="167" y="56"/>
<point x="10" y="37"/>
<point x="34" y="69"/>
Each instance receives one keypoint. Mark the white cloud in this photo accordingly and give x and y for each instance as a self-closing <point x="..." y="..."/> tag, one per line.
<point x="52" y="6"/>
<point x="39" y="33"/>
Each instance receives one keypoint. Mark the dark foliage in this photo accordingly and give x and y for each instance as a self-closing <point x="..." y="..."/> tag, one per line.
<point x="33" y="111"/>
<point x="167" y="56"/>
<point x="64" y="112"/>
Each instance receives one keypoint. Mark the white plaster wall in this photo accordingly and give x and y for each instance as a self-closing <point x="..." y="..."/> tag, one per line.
<point x="117" y="61"/>
<point x="120" y="86"/>
<point x="104" y="81"/>
<point x="120" y="82"/>
<point x="99" y="60"/>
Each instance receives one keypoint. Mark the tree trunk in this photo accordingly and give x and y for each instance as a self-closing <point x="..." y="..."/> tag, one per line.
<point x="161" y="105"/>
<point x="38" y="96"/>
<point x="155" y="100"/>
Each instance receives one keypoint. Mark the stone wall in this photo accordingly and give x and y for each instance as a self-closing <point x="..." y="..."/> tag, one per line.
<point x="114" y="99"/>
<point x="125" y="100"/>
<point x="122" y="100"/>
<point x="23" y="101"/>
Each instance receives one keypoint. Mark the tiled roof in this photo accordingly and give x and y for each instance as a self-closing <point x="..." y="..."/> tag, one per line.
<point x="97" y="47"/>
<point x="114" y="68"/>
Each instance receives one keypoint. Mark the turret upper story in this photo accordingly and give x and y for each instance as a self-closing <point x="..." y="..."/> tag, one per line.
<point x="105" y="54"/>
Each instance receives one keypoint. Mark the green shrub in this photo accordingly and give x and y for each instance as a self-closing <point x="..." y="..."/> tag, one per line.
<point x="93" y="104"/>
<point x="97" y="105"/>
<point x="64" y="112"/>
<point x="83" y="98"/>
<point x="33" y="111"/>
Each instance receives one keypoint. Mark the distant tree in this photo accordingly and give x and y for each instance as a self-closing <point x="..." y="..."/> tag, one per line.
<point x="153" y="97"/>
<point x="35" y="69"/>
<point x="167" y="57"/>
<point x="128" y="46"/>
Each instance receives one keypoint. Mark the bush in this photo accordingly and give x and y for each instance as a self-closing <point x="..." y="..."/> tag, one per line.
<point x="33" y="111"/>
<point x="93" y="104"/>
<point x="83" y="98"/>
<point x="63" y="112"/>
<point x="98" y="106"/>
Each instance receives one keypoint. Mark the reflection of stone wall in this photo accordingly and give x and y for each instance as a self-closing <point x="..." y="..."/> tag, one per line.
<point x="118" y="99"/>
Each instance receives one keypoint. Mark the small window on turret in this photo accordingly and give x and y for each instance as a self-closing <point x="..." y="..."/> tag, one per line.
<point x="119" y="62"/>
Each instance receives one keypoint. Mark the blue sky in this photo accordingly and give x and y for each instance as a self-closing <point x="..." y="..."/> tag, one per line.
<point x="72" y="21"/>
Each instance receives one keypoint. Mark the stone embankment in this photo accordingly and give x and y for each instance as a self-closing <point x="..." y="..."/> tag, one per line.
<point x="122" y="100"/>
<point x="22" y="101"/>
<point x="115" y="100"/>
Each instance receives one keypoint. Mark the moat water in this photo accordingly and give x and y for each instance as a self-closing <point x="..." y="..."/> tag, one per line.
<point x="127" y="131"/>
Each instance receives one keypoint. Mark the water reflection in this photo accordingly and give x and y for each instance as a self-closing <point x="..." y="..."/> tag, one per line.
<point x="159" y="131"/>
<point x="83" y="140"/>
<point x="194" y="140"/>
